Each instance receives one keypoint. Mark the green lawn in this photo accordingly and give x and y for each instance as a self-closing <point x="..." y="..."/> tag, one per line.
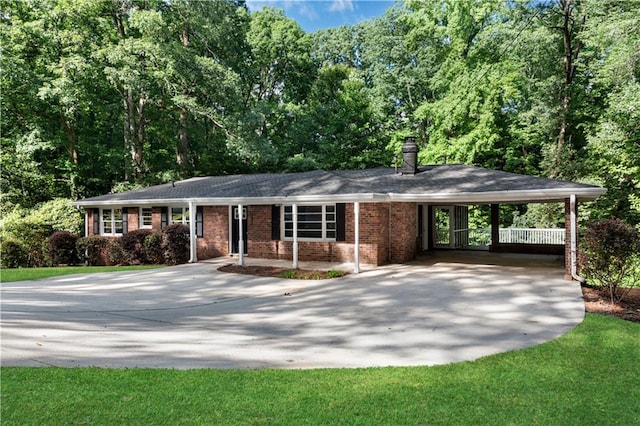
<point x="27" y="274"/>
<point x="589" y="376"/>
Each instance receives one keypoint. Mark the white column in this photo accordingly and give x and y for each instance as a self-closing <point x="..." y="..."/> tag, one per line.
<point x="193" y="242"/>
<point x="356" y="237"/>
<point x="240" y="240"/>
<point x="294" y="210"/>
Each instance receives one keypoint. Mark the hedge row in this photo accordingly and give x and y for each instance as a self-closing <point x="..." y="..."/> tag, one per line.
<point x="170" y="246"/>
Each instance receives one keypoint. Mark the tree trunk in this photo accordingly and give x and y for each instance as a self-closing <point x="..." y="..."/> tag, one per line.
<point x="570" y="29"/>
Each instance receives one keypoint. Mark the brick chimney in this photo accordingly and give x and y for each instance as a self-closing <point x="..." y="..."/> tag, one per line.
<point x="409" y="156"/>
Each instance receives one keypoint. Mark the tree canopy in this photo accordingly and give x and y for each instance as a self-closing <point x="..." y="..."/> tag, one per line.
<point x="100" y="95"/>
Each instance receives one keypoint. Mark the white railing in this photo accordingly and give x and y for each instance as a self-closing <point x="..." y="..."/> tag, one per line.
<point x="532" y="235"/>
<point x="482" y="236"/>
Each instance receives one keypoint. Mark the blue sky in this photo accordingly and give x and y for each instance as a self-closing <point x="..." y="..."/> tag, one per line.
<point x="313" y="15"/>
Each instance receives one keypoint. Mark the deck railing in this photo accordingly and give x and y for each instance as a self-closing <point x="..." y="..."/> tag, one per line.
<point x="482" y="236"/>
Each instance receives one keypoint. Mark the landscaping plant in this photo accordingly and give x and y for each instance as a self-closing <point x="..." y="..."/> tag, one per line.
<point x="63" y="248"/>
<point x="610" y="250"/>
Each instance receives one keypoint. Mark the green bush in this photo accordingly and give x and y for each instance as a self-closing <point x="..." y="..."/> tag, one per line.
<point x="133" y="246"/>
<point x="153" y="248"/>
<point x="94" y="249"/>
<point x="33" y="237"/>
<point x="12" y="254"/>
<point x="116" y="253"/>
<point x="63" y="248"/>
<point x="31" y="228"/>
<point x="609" y="254"/>
<point x="175" y="244"/>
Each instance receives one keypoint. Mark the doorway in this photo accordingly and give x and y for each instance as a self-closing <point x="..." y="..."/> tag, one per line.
<point x="450" y="227"/>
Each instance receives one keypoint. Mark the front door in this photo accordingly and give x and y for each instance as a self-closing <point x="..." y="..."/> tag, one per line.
<point x="451" y="226"/>
<point x="235" y="230"/>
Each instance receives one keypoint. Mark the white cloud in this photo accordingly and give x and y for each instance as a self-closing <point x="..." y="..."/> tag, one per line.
<point x="303" y="8"/>
<point x="341" y="6"/>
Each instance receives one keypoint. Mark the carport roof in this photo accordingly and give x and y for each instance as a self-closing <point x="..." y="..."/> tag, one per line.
<point x="449" y="183"/>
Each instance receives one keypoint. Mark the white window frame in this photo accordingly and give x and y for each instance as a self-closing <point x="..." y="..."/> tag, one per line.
<point x="325" y="228"/>
<point x="141" y="217"/>
<point x="112" y="221"/>
<point x="184" y="220"/>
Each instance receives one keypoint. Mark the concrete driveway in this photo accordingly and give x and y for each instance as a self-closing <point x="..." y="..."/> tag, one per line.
<point x="192" y="316"/>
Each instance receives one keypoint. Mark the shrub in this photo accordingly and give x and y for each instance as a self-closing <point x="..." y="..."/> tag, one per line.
<point x="175" y="244"/>
<point x="116" y="253"/>
<point x="63" y="248"/>
<point x="94" y="250"/>
<point x="33" y="237"/>
<point x="153" y="248"/>
<point x="133" y="246"/>
<point x="12" y="254"/>
<point x="609" y="250"/>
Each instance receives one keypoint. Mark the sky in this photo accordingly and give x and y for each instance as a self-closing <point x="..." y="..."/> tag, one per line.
<point x="313" y="15"/>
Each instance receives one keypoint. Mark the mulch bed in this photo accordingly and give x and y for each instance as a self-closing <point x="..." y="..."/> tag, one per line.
<point x="596" y="300"/>
<point x="272" y="271"/>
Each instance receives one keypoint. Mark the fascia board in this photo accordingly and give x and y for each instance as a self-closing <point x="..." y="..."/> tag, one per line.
<point x="521" y="196"/>
<point x="369" y="197"/>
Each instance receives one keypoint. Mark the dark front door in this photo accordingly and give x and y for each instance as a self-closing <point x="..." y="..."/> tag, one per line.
<point x="235" y="229"/>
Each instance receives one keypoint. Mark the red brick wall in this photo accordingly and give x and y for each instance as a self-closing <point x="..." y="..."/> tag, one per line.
<point x="215" y="242"/>
<point x="375" y="233"/>
<point x="403" y="231"/>
<point x="133" y="218"/>
<point x="90" y="220"/>
<point x="388" y="233"/>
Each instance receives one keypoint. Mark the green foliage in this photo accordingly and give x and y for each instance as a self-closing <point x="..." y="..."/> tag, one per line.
<point x="29" y="274"/>
<point x="153" y="248"/>
<point x="103" y="96"/>
<point x="117" y="255"/>
<point x="63" y="248"/>
<point x="175" y="244"/>
<point x="610" y="252"/>
<point x="12" y="254"/>
<point x="288" y="274"/>
<point x="132" y="244"/>
<point x="94" y="249"/>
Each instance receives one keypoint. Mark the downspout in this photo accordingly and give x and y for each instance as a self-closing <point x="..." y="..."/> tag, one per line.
<point x="356" y="237"/>
<point x="240" y="236"/>
<point x="574" y="240"/>
<point x="86" y="234"/>
<point x="193" y="248"/>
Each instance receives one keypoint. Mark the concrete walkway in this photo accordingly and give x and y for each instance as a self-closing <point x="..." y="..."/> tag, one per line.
<point x="191" y="316"/>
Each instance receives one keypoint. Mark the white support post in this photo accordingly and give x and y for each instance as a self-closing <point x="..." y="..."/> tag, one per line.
<point x="294" y="210"/>
<point x="240" y="233"/>
<point x="193" y="242"/>
<point x="356" y="237"/>
<point x="574" y="238"/>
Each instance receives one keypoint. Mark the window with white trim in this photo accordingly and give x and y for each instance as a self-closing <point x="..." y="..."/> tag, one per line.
<point x="179" y="215"/>
<point x="145" y="217"/>
<point x="111" y="222"/>
<point x="315" y="222"/>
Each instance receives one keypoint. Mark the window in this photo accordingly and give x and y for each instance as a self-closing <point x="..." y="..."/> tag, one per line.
<point x="179" y="215"/>
<point x="111" y="222"/>
<point x="315" y="222"/>
<point x="145" y="217"/>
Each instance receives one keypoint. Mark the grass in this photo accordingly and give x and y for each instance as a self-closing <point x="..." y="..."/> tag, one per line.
<point x="589" y="376"/>
<point x="28" y="274"/>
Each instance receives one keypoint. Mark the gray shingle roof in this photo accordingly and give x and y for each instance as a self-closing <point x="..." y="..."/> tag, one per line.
<point x="441" y="183"/>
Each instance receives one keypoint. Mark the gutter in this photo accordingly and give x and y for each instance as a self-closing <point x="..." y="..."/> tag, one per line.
<point x="574" y="240"/>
